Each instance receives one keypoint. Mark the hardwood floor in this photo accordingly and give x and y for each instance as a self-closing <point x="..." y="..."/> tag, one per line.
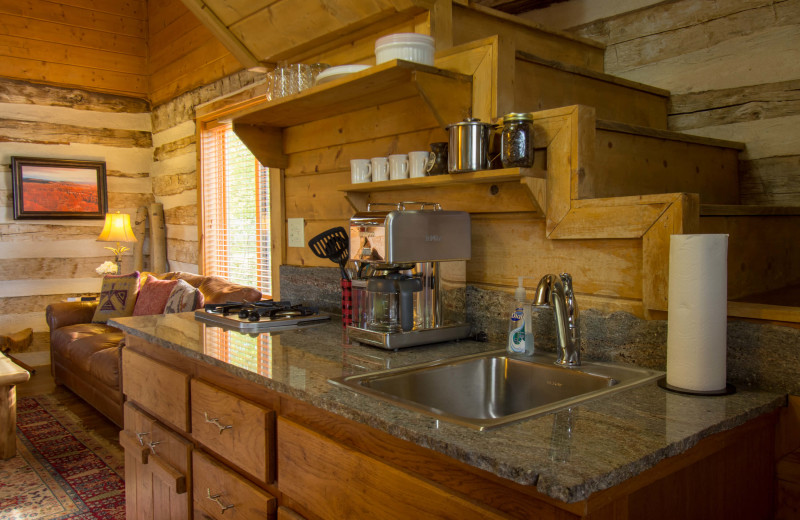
<point x="42" y="383"/>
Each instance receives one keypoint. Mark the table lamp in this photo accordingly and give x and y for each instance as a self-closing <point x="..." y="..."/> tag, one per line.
<point x="117" y="228"/>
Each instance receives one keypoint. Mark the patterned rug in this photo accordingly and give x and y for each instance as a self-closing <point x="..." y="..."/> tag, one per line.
<point x="60" y="471"/>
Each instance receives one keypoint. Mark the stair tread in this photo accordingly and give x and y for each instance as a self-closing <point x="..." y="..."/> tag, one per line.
<point x="616" y="126"/>
<point x="589" y="73"/>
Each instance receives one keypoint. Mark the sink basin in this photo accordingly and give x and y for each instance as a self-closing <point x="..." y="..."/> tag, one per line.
<point x="492" y="389"/>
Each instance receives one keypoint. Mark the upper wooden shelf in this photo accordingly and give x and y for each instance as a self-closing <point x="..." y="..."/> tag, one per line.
<point x="479" y="177"/>
<point x="376" y="85"/>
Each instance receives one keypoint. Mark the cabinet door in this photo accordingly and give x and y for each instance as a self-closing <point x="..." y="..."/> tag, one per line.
<point x="157" y="468"/>
<point x="237" y="430"/>
<point x="335" y="482"/>
<point x="224" y="495"/>
<point x="157" y="388"/>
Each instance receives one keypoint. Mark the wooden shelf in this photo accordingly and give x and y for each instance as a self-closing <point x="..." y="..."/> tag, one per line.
<point x="479" y="177"/>
<point x="448" y="96"/>
<point x="358" y="194"/>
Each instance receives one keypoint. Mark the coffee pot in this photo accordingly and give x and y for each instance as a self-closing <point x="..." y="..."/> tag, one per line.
<point x="414" y="282"/>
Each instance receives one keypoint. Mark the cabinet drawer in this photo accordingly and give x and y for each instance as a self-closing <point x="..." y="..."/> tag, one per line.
<point x="157" y="468"/>
<point x="237" y="430"/>
<point x="222" y="494"/>
<point x="159" y="389"/>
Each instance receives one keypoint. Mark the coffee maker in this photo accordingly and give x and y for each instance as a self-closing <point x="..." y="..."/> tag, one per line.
<point x="412" y="284"/>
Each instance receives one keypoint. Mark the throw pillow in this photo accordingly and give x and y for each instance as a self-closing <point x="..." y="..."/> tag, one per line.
<point x="183" y="298"/>
<point x="153" y="296"/>
<point x="117" y="296"/>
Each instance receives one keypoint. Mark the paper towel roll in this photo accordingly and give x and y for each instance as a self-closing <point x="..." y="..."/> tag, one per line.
<point x="698" y="312"/>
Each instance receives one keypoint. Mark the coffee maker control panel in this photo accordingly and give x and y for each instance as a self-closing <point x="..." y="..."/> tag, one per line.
<point x="404" y="236"/>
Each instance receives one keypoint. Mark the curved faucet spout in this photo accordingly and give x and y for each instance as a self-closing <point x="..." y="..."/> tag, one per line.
<point x="556" y="291"/>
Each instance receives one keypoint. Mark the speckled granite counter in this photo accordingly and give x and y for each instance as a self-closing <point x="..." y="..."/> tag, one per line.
<point x="567" y="455"/>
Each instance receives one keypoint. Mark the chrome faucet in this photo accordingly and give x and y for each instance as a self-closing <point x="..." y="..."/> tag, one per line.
<point x="556" y="290"/>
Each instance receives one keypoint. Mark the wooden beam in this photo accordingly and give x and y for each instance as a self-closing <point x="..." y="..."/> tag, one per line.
<point x="221" y="32"/>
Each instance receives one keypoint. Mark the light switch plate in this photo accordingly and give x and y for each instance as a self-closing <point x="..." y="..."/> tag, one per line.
<point x="295" y="231"/>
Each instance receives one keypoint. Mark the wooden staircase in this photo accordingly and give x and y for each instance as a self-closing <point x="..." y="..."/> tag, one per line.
<point x="610" y="170"/>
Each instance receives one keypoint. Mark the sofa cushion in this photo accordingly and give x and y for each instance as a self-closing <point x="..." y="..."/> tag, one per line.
<point x="117" y="296"/>
<point x="153" y="296"/>
<point x="82" y="351"/>
<point x="62" y="338"/>
<point x="219" y="290"/>
<point x="104" y="365"/>
<point x="183" y="298"/>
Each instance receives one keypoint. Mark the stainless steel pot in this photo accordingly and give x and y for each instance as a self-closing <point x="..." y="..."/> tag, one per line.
<point x="469" y="146"/>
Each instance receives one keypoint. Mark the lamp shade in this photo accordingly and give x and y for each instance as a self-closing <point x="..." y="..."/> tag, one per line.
<point x="117" y="228"/>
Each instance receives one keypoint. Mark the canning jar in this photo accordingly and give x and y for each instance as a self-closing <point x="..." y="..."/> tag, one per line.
<point x="517" y="140"/>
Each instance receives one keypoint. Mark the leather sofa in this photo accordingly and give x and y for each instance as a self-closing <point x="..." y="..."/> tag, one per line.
<point x="85" y="356"/>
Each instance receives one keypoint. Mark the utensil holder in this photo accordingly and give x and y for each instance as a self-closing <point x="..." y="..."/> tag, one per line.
<point x="347" y="302"/>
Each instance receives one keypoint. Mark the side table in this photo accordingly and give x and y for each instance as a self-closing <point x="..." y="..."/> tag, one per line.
<point x="10" y="376"/>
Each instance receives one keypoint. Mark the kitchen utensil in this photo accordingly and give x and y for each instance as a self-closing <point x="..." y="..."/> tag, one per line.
<point x="398" y="167"/>
<point x="380" y="169"/>
<point x="418" y="163"/>
<point x="437" y="161"/>
<point x="469" y="145"/>
<point x="360" y="170"/>
<point x="332" y="244"/>
<point x="334" y="73"/>
<point x="404" y="46"/>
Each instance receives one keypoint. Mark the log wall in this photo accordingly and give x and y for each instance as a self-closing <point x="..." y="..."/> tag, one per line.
<point x="98" y="46"/>
<point x="45" y="261"/>
<point x="733" y="69"/>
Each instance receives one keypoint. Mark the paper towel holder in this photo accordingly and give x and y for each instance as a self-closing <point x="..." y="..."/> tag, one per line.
<point x="728" y="390"/>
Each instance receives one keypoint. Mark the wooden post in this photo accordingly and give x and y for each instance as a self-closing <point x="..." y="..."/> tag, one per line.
<point x="158" y="239"/>
<point x="138" y="246"/>
<point x="8" y="421"/>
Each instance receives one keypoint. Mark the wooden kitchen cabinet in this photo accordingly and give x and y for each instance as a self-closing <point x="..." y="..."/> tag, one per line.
<point x="157" y="468"/>
<point x="158" y="388"/>
<point x="223" y="494"/>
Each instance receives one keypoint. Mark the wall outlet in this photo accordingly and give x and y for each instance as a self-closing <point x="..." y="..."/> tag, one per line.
<point x="295" y="232"/>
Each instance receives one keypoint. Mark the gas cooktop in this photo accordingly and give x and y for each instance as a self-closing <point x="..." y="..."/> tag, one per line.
<point x="258" y="316"/>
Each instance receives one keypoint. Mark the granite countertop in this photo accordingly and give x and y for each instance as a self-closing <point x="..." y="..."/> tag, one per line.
<point x="567" y="454"/>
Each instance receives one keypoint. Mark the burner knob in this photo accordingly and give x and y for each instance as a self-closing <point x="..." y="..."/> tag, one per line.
<point x="244" y="313"/>
<point x="254" y="316"/>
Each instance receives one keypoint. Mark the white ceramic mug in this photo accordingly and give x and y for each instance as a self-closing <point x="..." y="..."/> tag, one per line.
<point x="418" y="163"/>
<point x="360" y="170"/>
<point x="380" y="169"/>
<point x="398" y="167"/>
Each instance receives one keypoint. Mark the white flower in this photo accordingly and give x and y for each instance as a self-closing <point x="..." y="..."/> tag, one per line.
<point x="107" y="268"/>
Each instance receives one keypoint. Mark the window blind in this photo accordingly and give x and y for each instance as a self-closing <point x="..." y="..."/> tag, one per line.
<point x="235" y="210"/>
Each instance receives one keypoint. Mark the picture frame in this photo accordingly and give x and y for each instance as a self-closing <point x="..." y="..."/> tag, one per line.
<point x="58" y="188"/>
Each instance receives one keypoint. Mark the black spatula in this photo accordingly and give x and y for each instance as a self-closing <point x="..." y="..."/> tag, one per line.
<point x="332" y="244"/>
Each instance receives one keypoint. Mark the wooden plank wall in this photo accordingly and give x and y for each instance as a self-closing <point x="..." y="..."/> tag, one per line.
<point x="44" y="261"/>
<point x="98" y="46"/>
<point x="183" y="53"/>
<point x="733" y="69"/>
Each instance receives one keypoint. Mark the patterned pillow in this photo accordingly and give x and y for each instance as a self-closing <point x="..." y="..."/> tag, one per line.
<point x="183" y="298"/>
<point x="153" y="296"/>
<point x="117" y="296"/>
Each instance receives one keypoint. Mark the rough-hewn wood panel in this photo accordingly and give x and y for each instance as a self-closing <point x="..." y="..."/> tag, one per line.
<point x="775" y="180"/>
<point x="181" y="216"/>
<point x="23" y="92"/>
<point x="55" y="133"/>
<point x="182" y="250"/>
<point x="174" y="184"/>
<point x="38" y="268"/>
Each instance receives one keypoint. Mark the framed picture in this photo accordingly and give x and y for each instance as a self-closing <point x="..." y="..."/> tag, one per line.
<point x="58" y="188"/>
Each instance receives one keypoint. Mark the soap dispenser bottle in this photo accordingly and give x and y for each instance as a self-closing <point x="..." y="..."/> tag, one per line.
<point x="520" y="338"/>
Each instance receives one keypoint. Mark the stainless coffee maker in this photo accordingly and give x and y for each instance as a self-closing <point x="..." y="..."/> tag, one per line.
<point x="412" y="287"/>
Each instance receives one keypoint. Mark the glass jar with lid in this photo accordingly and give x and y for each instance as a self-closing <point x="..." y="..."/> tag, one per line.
<point x="517" y="140"/>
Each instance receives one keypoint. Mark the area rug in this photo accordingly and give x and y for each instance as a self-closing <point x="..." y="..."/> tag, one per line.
<point x="61" y="471"/>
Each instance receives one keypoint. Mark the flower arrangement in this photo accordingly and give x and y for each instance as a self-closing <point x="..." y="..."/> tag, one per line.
<point x="107" y="268"/>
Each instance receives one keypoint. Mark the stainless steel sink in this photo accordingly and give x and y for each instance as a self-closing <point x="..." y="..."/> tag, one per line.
<point x="491" y="389"/>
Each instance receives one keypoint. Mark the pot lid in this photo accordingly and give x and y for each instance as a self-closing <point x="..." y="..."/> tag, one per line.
<point x="471" y="121"/>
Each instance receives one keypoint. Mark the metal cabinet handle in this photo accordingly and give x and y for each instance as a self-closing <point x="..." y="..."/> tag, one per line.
<point x="139" y="436"/>
<point x="215" y="498"/>
<point x="216" y="423"/>
<point x="153" y="445"/>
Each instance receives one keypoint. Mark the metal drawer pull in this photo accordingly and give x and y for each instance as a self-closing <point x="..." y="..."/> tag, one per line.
<point x="139" y="436"/>
<point x="216" y="423"/>
<point x="215" y="498"/>
<point x="153" y="446"/>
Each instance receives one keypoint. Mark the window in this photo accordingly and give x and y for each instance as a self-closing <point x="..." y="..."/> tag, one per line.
<point x="235" y="209"/>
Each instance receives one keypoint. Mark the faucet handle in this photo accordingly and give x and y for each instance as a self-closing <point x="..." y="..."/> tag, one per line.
<point x="573" y="314"/>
